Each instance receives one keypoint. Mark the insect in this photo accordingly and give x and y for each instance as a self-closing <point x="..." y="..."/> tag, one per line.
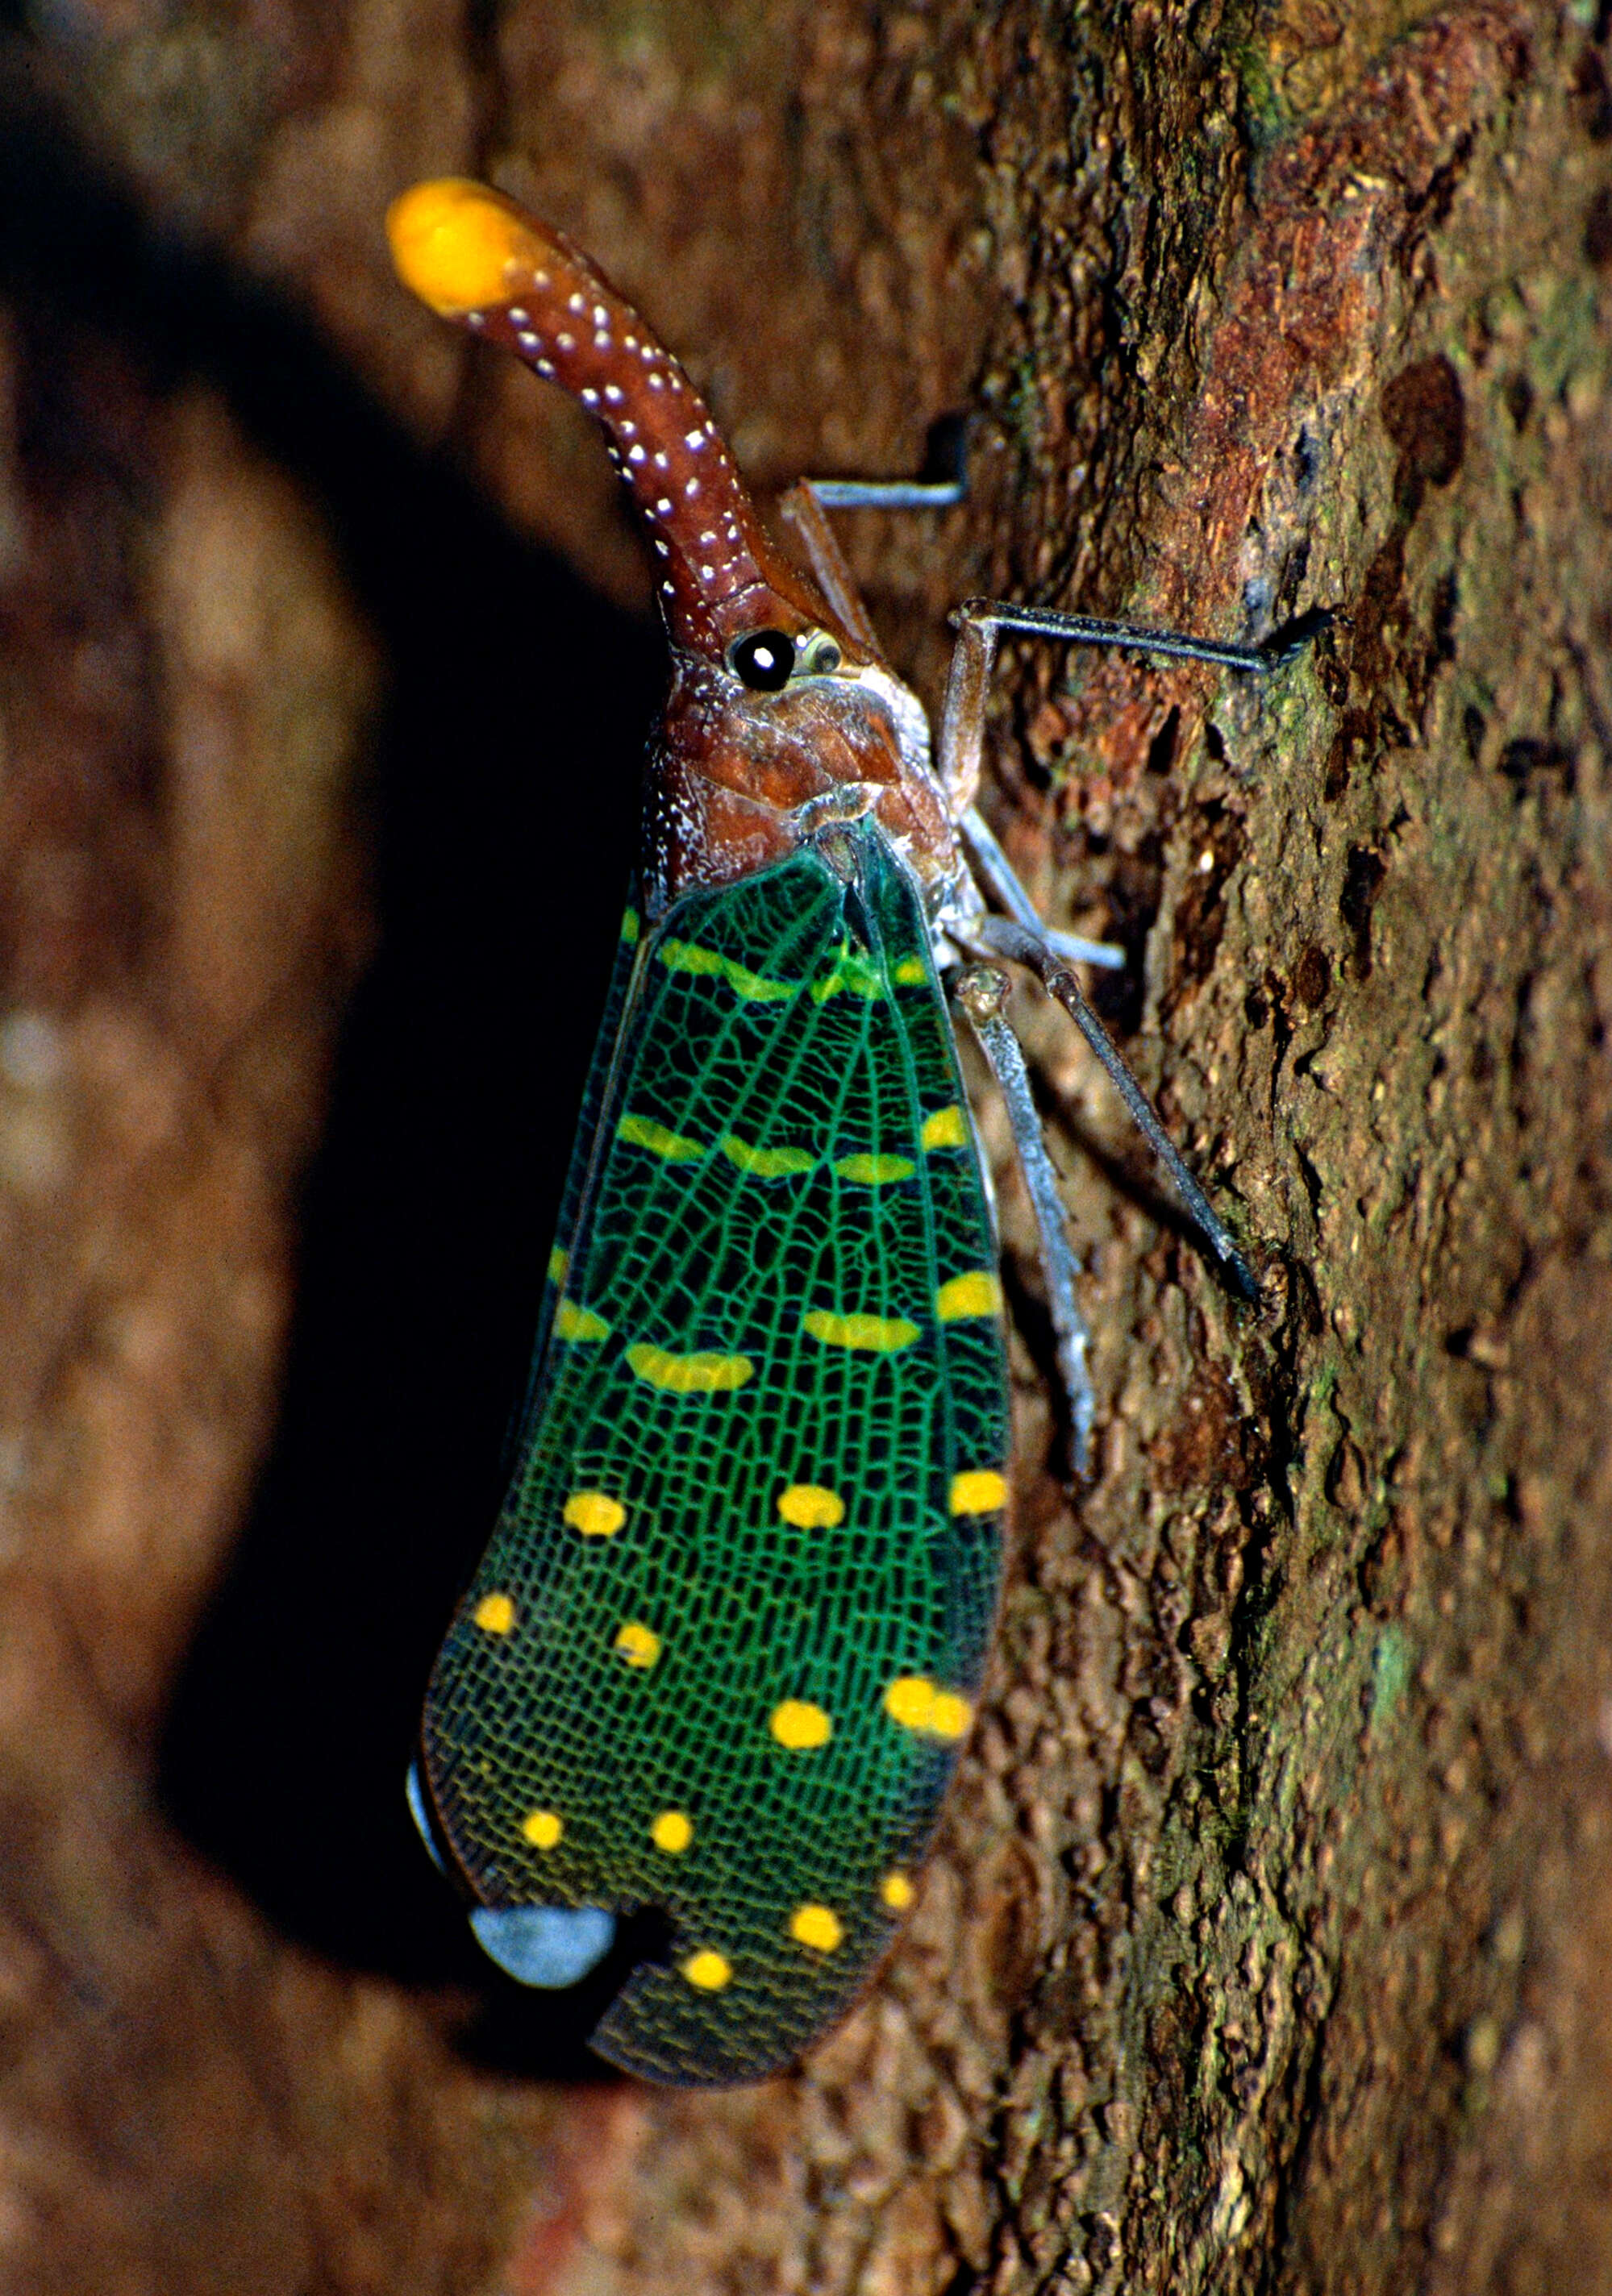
<point x="729" y="1634"/>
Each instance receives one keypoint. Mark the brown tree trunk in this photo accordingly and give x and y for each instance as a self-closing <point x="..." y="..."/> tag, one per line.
<point x="1268" y="1943"/>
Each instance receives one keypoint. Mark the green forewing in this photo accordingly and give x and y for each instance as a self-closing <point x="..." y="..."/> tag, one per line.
<point x="718" y="1654"/>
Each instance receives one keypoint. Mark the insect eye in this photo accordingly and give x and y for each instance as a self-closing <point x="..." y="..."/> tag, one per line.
<point x="763" y="661"/>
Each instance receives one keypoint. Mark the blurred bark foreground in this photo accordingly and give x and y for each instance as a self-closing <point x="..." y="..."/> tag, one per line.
<point x="1269" y="1942"/>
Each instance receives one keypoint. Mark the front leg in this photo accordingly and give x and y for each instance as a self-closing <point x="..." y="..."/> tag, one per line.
<point x="982" y="991"/>
<point x="980" y="623"/>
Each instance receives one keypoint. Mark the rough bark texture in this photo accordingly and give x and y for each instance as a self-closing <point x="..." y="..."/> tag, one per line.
<point x="1269" y="1940"/>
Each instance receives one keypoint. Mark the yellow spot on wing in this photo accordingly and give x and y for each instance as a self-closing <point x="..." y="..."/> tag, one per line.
<point x="818" y="1926"/>
<point x="558" y="1262"/>
<point x="595" y="1513"/>
<point x="874" y="1172"/>
<point x="909" y="1701"/>
<point x="574" y="1323"/>
<point x="494" y="1614"/>
<point x="455" y="244"/>
<point x="978" y="1294"/>
<point x="688" y="956"/>
<point x="909" y="971"/>
<point x="807" y="1506"/>
<point x="883" y="1334"/>
<point x="690" y="1375"/>
<point x="637" y="1643"/>
<point x="708" y="1969"/>
<point x="799" y="1725"/>
<point x="767" y="1163"/>
<point x="950" y="1716"/>
<point x="948" y="1127"/>
<point x="917" y="1704"/>
<point x="644" y="1132"/>
<point x="896" y="1890"/>
<point x="979" y="1492"/>
<point x="542" y="1828"/>
<point x="630" y="926"/>
<point x="853" y="971"/>
<point x="673" y="1832"/>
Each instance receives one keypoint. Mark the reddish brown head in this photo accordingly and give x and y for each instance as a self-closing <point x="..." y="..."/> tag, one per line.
<point x="775" y="705"/>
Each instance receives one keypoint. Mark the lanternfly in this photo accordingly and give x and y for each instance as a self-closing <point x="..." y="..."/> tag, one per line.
<point x="728" y="1636"/>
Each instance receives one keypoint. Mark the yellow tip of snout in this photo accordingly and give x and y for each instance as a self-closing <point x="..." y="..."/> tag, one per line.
<point x="454" y="242"/>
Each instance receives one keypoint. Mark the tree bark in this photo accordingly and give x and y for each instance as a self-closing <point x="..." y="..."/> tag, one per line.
<point x="1267" y="1944"/>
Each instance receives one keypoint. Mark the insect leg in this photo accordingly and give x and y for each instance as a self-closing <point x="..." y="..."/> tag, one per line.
<point x="992" y="865"/>
<point x="806" y="504"/>
<point x="980" y="624"/>
<point x="982" y="991"/>
<point x="803" y="508"/>
<point x="942" y="481"/>
<point x="889" y="494"/>
<point x="1030" y="948"/>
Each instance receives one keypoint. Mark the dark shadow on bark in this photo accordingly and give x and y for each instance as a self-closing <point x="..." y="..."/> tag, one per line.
<point x="505" y="798"/>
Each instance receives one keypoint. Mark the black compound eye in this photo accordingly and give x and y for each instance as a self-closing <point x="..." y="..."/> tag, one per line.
<point x="763" y="661"/>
